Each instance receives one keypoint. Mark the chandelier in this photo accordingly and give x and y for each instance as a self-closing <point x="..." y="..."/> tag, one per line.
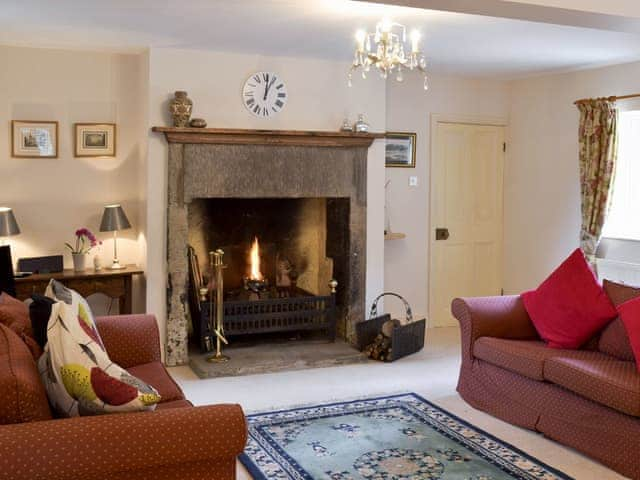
<point x="385" y="50"/>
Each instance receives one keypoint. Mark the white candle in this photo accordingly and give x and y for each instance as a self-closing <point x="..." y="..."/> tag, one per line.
<point x="360" y="38"/>
<point x="415" y="41"/>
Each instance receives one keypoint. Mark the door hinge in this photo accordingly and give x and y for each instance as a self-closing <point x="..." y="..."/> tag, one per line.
<point x="504" y="146"/>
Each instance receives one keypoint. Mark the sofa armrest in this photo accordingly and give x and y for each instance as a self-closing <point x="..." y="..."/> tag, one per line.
<point x="501" y="317"/>
<point x="130" y="340"/>
<point x="103" y="446"/>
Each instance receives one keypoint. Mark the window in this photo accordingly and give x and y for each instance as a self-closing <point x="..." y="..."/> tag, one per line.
<point x="624" y="217"/>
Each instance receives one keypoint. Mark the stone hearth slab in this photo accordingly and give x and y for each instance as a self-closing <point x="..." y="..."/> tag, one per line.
<point x="277" y="357"/>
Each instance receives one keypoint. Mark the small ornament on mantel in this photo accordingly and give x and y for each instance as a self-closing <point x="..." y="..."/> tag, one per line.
<point x="180" y="108"/>
<point x="346" y="126"/>
<point x="361" y="126"/>
<point x="198" y="123"/>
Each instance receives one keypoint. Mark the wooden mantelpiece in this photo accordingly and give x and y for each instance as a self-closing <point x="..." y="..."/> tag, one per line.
<point x="231" y="136"/>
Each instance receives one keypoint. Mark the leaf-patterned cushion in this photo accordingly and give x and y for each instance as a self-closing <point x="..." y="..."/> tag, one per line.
<point x="75" y="368"/>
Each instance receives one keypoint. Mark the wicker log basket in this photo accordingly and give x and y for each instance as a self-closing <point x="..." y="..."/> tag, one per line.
<point x="386" y="339"/>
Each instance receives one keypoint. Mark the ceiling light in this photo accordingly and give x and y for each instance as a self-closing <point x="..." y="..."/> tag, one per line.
<point x="385" y="50"/>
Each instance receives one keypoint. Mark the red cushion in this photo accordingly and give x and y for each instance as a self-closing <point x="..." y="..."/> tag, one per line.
<point x="570" y="306"/>
<point x="15" y="315"/>
<point x="614" y="339"/>
<point x="630" y="315"/>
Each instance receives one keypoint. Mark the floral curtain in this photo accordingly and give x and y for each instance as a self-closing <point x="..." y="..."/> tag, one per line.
<point x="598" y="153"/>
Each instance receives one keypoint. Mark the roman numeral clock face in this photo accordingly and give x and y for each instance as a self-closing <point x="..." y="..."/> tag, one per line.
<point x="264" y="94"/>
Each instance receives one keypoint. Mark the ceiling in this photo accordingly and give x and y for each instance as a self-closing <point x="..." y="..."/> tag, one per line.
<point x="454" y="43"/>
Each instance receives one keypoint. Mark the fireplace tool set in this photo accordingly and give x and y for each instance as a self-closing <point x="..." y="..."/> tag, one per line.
<point x="216" y="316"/>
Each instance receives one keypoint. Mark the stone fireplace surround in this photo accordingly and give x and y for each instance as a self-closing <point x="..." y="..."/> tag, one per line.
<point x="232" y="163"/>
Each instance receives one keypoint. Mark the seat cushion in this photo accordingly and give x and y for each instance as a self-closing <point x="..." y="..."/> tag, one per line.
<point x="614" y="339"/>
<point x="157" y="376"/>
<point x="22" y="395"/>
<point x="570" y="306"/>
<point x="526" y="357"/>
<point x="601" y="378"/>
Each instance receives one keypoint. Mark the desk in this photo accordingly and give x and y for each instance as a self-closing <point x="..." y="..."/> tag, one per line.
<point x="112" y="283"/>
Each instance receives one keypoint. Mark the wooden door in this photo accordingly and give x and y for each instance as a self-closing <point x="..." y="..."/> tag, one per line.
<point x="466" y="216"/>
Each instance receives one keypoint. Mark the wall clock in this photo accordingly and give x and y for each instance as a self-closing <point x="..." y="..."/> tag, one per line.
<point x="264" y="94"/>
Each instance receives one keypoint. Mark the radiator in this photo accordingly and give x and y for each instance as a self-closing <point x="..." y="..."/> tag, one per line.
<point x="618" y="271"/>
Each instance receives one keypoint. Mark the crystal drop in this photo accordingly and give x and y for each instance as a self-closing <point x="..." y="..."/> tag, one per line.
<point x="364" y="74"/>
<point x="426" y="83"/>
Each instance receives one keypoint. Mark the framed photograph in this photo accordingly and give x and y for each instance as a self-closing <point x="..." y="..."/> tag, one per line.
<point x="400" y="149"/>
<point x="95" y="140"/>
<point x="31" y="139"/>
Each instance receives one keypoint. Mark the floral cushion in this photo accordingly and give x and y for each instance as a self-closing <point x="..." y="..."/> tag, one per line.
<point x="78" y="375"/>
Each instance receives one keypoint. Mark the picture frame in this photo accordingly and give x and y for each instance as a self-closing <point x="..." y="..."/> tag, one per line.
<point x="400" y="149"/>
<point x="95" y="140"/>
<point x="34" y="139"/>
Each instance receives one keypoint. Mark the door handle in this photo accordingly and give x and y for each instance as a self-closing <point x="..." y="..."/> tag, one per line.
<point x="442" y="233"/>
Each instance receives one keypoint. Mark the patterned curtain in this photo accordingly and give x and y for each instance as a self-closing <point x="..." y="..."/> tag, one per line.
<point x="598" y="154"/>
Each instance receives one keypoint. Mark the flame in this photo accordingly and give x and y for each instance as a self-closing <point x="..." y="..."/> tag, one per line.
<point x="254" y="260"/>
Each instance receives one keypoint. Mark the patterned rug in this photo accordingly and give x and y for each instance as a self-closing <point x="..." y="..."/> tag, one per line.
<point x="399" y="437"/>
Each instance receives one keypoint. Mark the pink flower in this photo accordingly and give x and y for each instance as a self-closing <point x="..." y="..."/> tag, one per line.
<point x="80" y="247"/>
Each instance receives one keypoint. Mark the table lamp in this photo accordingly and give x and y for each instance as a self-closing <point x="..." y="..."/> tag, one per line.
<point x="8" y="224"/>
<point x="113" y="220"/>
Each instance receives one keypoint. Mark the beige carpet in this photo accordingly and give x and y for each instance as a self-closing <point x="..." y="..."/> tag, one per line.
<point x="431" y="373"/>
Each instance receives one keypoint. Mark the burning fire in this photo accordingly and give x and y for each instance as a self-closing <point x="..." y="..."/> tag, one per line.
<point x="254" y="260"/>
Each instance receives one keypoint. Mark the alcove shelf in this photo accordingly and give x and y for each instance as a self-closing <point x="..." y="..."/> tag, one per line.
<point x="394" y="236"/>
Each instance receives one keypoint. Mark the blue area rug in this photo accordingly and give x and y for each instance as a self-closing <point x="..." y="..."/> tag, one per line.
<point x="399" y="437"/>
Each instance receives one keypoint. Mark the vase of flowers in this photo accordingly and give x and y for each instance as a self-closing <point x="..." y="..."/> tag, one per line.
<point x="85" y="241"/>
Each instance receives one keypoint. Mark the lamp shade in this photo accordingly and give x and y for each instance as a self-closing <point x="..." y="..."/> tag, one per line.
<point x="8" y="224"/>
<point x="114" y="219"/>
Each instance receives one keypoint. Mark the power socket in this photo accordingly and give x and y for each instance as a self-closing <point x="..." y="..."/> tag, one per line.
<point x="413" y="181"/>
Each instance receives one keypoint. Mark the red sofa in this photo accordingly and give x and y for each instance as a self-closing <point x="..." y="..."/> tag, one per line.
<point x="176" y="440"/>
<point x="586" y="399"/>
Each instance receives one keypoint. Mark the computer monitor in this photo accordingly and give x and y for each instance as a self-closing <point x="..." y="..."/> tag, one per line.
<point x="7" y="283"/>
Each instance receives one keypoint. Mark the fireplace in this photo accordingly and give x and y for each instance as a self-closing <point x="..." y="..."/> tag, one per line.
<point x="302" y="194"/>
<point x="283" y="259"/>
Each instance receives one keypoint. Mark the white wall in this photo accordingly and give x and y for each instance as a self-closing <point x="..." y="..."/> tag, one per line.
<point x="53" y="197"/>
<point x="319" y="99"/>
<point x="542" y="191"/>
<point x="409" y="108"/>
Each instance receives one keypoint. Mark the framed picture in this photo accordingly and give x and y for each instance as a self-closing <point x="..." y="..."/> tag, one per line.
<point x="400" y="149"/>
<point x="95" y="140"/>
<point x="31" y="139"/>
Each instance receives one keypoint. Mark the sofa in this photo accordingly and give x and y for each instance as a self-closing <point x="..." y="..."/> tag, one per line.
<point x="588" y="399"/>
<point x="176" y="441"/>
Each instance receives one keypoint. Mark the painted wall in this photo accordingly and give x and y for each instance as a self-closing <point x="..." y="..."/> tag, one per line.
<point x="319" y="99"/>
<point x="542" y="191"/>
<point x="409" y="108"/>
<point x="53" y="197"/>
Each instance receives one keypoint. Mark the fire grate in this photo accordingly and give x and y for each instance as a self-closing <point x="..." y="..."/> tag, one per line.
<point x="304" y="312"/>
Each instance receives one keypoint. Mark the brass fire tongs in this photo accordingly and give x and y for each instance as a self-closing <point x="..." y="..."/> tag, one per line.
<point x="216" y="322"/>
